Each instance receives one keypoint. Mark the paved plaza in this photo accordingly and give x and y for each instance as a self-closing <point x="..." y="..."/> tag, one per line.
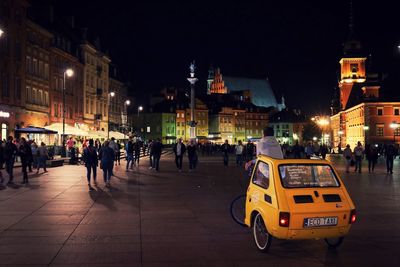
<point x="178" y="219"/>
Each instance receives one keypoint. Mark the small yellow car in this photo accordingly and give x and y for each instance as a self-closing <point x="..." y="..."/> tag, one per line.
<point x="297" y="199"/>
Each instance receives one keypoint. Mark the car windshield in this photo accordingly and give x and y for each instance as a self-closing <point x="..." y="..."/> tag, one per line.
<point x="307" y="175"/>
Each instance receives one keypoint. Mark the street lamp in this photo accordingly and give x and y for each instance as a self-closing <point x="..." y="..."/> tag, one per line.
<point x="67" y="73"/>
<point x="192" y="80"/>
<point x="394" y="125"/>
<point x="140" y="108"/>
<point x="366" y="129"/>
<point x="1" y="32"/>
<point x="110" y="95"/>
<point x="126" y="104"/>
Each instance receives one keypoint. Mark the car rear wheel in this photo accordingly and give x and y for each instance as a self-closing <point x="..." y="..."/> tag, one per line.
<point x="261" y="236"/>
<point x="334" y="242"/>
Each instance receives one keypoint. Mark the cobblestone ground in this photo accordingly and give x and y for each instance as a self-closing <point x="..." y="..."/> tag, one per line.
<point x="178" y="219"/>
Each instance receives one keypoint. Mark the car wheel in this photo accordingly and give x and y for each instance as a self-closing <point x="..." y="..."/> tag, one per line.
<point x="261" y="236"/>
<point x="334" y="242"/>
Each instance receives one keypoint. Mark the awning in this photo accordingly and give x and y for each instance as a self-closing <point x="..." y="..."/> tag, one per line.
<point x="36" y="130"/>
<point x="97" y="134"/>
<point x="69" y="130"/>
<point x="118" y="135"/>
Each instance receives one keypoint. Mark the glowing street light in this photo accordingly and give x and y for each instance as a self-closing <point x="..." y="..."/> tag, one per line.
<point x="140" y="108"/>
<point x="67" y="73"/>
<point x="314" y="138"/>
<point x="110" y="95"/>
<point x="1" y="32"/>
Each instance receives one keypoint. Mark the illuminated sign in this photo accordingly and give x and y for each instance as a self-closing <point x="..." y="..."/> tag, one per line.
<point x="4" y="114"/>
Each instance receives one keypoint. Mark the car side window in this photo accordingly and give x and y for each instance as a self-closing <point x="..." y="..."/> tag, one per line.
<point x="261" y="175"/>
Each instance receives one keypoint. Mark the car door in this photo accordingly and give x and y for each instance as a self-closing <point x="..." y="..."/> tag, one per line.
<point x="261" y="192"/>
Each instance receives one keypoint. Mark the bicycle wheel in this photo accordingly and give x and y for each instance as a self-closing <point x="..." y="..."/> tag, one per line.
<point x="237" y="209"/>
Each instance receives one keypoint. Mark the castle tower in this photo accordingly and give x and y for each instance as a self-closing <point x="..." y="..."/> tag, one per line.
<point x="218" y="84"/>
<point x="352" y="64"/>
<point x="210" y="79"/>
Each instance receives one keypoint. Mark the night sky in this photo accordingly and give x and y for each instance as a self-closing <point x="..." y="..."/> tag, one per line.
<point x="296" y="44"/>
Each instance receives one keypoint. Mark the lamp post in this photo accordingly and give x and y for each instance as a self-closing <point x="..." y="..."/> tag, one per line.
<point x="140" y="108"/>
<point x="394" y="125"/>
<point x="366" y="129"/>
<point x="110" y="95"/>
<point x="126" y="104"/>
<point x="1" y="32"/>
<point x="192" y="80"/>
<point x="67" y="73"/>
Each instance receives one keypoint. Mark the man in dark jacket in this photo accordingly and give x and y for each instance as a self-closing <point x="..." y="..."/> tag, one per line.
<point x="225" y="152"/>
<point x="391" y="153"/>
<point x="129" y="154"/>
<point x="156" y="151"/>
<point x="10" y="150"/>
<point x="249" y="151"/>
<point x="91" y="161"/>
<point x="25" y="153"/>
<point x="179" y="150"/>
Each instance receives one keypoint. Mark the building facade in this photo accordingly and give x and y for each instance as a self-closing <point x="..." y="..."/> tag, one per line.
<point x="96" y="87"/>
<point x="117" y="102"/>
<point x="37" y="105"/>
<point x="12" y="65"/>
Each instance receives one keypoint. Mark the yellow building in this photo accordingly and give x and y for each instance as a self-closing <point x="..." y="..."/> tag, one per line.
<point x="96" y="87"/>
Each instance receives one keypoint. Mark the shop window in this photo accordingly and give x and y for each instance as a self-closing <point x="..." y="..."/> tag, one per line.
<point x="4" y="131"/>
<point x="379" y="129"/>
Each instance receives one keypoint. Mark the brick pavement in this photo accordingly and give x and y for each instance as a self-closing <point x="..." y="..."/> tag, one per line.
<point x="176" y="219"/>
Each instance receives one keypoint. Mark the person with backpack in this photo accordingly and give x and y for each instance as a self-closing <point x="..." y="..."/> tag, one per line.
<point x="390" y="154"/>
<point x="91" y="161"/>
<point x="10" y="151"/>
<point x="107" y="156"/>
<point x="129" y="154"/>
<point x="43" y="156"/>
<point x="25" y="153"/>
<point x="179" y="150"/>
<point x="358" y="155"/>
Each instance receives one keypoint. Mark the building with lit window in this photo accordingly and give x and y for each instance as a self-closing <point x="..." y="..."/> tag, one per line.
<point x="360" y="111"/>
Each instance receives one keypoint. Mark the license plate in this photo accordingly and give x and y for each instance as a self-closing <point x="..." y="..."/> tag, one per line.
<point x="320" y="221"/>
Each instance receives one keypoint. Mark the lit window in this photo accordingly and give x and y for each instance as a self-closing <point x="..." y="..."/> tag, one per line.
<point x="379" y="129"/>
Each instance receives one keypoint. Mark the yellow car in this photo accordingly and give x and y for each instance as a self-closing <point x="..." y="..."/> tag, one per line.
<point x="297" y="199"/>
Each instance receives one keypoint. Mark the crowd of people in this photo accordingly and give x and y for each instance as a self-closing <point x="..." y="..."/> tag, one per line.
<point x="30" y="154"/>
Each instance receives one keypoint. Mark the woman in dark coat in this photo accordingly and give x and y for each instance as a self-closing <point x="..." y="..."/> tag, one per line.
<point x="107" y="156"/>
<point x="192" y="154"/>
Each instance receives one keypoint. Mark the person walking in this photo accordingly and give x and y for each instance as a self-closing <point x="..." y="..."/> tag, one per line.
<point x="371" y="154"/>
<point x="296" y="150"/>
<point x="156" y="150"/>
<point x="25" y="153"/>
<point x="129" y="154"/>
<point x="35" y="154"/>
<point x="179" y="150"/>
<point x="239" y="154"/>
<point x="107" y="155"/>
<point x="324" y="151"/>
<point x="347" y="154"/>
<point x="150" y="152"/>
<point x="113" y="145"/>
<point x="1" y="163"/>
<point x="249" y="151"/>
<point x="358" y="155"/>
<point x="10" y="151"/>
<point x="225" y="153"/>
<point x="118" y="153"/>
<point x="390" y="154"/>
<point x="43" y="156"/>
<point x="309" y="151"/>
<point x="192" y="155"/>
<point x="136" y="147"/>
<point x="91" y="161"/>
